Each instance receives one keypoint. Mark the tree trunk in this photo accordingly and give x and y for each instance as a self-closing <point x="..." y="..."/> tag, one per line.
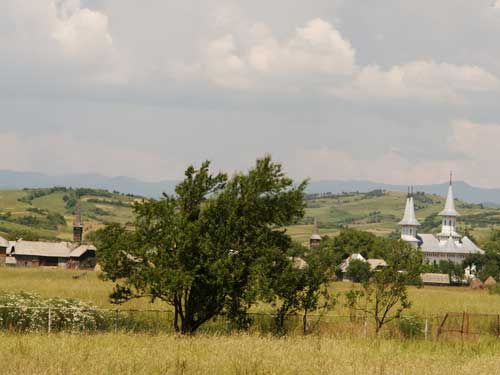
<point x="304" y="322"/>
<point x="176" y="319"/>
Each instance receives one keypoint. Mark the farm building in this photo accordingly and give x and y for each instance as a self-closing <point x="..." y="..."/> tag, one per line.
<point x="71" y="255"/>
<point x="375" y="264"/>
<point x="439" y="279"/>
<point x="446" y="245"/>
<point x="53" y="254"/>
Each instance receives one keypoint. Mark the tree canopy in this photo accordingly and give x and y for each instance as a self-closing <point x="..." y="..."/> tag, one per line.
<point x="200" y="250"/>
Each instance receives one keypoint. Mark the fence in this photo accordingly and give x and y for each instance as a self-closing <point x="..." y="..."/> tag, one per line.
<point x="470" y="324"/>
<point x="46" y="319"/>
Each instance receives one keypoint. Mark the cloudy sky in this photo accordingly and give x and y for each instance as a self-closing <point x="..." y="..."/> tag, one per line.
<point x="397" y="91"/>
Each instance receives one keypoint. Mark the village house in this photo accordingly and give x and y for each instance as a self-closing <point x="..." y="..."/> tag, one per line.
<point x="69" y="255"/>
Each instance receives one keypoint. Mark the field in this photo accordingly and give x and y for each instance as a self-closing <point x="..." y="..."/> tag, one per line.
<point x="427" y="301"/>
<point x="242" y="354"/>
<point x="331" y="352"/>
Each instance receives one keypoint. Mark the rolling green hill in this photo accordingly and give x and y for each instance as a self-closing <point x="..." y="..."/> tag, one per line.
<point x="379" y="212"/>
<point x="49" y="213"/>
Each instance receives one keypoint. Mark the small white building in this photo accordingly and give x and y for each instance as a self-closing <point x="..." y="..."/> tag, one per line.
<point x="375" y="264"/>
<point x="448" y="244"/>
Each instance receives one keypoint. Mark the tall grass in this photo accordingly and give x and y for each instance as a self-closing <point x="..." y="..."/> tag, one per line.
<point x="86" y="286"/>
<point x="242" y="354"/>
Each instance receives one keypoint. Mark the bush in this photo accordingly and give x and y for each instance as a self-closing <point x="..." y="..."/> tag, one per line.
<point x="411" y="326"/>
<point x="26" y="312"/>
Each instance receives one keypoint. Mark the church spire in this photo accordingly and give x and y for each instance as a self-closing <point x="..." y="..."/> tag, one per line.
<point x="409" y="218"/>
<point x="315" y="239"/>
<point x="449" y="207"/>
<point x="449" y="216"/>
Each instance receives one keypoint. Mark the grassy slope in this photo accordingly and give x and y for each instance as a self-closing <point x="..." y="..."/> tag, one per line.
<point x="242" y="354"/>
<point x="54" y="203"/>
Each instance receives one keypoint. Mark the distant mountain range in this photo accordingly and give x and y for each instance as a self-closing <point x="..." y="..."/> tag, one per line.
<point x="19" y="180"/>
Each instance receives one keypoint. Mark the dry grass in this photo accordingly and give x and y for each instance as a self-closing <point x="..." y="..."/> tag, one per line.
<point x="242" y="354"/>
<point x="427" y="301"/>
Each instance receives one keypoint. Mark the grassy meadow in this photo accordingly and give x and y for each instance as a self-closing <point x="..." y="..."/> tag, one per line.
<point x="242" y="354"/>
<point x="88" y="287"/>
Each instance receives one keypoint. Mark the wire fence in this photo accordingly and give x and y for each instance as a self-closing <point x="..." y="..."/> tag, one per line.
<point x="84" y="320"/>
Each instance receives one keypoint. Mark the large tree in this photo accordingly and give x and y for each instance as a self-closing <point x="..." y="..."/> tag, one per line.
<point x="198" y="249"/>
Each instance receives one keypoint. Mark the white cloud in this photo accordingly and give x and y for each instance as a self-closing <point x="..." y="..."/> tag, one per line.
<point x="421" y="80"/>
<point x="318" y="57"/>
<point x="258" y="60"/>
<point x="59" y="36"/>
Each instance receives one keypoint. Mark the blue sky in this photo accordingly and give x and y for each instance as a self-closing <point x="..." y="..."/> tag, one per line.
<point x="392" y="91"/>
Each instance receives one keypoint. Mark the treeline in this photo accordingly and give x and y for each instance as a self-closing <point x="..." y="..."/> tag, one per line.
<point x="45" y="220"/>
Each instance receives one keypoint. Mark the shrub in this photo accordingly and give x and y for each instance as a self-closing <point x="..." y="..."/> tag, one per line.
<point x="411" y="326"/>
<point x="26" y="312"/>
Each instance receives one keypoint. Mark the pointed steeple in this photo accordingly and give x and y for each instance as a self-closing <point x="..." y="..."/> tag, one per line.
<point x="409" y="218"/>
<point x="449" y="207"/>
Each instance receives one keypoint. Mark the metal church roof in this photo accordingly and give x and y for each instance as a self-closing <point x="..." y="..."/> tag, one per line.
<point x="449" y="207"/>
<point x="409" y="217"/>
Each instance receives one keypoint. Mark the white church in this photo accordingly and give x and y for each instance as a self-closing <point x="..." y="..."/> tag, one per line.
<point x="448" y="244"/>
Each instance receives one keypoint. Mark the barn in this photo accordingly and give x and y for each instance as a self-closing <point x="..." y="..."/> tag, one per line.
<point x="53" y="254"/>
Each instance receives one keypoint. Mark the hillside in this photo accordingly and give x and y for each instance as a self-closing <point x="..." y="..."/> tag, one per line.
<point x="49" y="213"/>
<point x="379" y="212"/>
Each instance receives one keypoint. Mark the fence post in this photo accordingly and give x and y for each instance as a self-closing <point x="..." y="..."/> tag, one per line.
<point x="366" y="328"/>
<point x="426" y="329"/>
<point x="116" y="320"/>
<point x="498" y="324"/>
<point x="49" y="328"/>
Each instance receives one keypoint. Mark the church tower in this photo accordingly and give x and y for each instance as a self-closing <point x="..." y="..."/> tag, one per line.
<point x="315" y="239"/>
<point x="77" y="225"/>
<point x="449" y="216"/>
<point x="409" y="224"/>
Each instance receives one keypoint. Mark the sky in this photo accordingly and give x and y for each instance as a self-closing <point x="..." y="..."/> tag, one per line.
<point x="394" y="91"/>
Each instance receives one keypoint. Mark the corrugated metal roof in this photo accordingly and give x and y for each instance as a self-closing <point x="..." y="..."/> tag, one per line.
<point x="375" y="263"/>
<point x="50" y="249"/>
<point x="3" y="242"/>
<point x="429" y="243"/>
<point x="435" y="278"/>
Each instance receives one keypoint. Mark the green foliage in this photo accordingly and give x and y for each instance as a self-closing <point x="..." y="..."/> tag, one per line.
<point x="358" y="271"/>
<point x="487" y="264"/>
<point x="298" y="282"/>
<point x="454" y="270"/>
<point x="27" y="235"/>
<point x="411" y="326"/>
<point x="202" y="249"/>
<point x="384" y="296"/>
